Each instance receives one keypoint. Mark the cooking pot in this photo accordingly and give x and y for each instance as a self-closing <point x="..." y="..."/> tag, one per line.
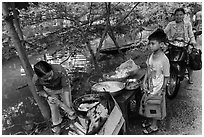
<point x="104" y="98"/>
<point x="113" y="87"/>
<point x="88" y="98"/>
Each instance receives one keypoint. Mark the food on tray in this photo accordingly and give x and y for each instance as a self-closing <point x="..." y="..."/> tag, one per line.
<point x="76" y="129"/>
<point x="86" y="106"/>
<point x="96" y="115"/>
<point x="80" y="127"/>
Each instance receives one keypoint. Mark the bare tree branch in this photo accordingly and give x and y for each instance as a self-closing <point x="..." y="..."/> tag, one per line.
<point x="105" y="31"/>
<point x="89" y="16"/>
<point x="116" y="5"/>
<point x="127" y="14"/>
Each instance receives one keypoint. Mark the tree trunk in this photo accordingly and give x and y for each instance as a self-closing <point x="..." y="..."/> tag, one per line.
<point x="16" y="22"/>
<point x="24" y="60"/>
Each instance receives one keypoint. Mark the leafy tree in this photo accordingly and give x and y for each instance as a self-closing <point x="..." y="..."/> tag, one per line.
<point x="50" y="17"/>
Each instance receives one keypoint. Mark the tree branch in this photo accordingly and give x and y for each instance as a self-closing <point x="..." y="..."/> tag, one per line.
<point x="89" y="17"/>
<point x="116" y="5"/>
<point x="105" y="31"/>
<point x="71" y="18"/>
<point x="102" y="39"/>
<point x="127" y="14"/>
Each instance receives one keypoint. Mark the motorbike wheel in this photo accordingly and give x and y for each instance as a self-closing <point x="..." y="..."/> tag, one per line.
<point x="173" y="86"/>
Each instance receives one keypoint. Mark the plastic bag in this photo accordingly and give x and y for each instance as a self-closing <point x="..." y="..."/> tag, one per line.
<point x="195" y="61"/>
<point x="129" y="66"/>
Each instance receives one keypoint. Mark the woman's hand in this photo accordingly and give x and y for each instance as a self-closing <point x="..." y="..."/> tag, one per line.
<point x="52" y="100"/>
<point x="42" y="93"/>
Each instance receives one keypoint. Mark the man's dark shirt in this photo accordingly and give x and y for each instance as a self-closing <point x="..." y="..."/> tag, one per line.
<point x="59" y="80"/>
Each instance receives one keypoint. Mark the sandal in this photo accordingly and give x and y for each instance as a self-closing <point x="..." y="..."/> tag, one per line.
<point x="146" y="124"/>
<point x="149" y="130"/>
<point x="190" y="81"/>
<point x="56" y="129"/>
<point x="72" y="116"/>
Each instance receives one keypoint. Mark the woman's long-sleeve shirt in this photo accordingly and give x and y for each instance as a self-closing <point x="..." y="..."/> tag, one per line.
<point x="172" y="29"/>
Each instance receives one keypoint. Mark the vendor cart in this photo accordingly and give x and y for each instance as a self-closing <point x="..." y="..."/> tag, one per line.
<point x="123" y="97"/>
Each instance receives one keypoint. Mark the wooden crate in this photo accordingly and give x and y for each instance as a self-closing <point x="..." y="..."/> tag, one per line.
<point x="114" y="123"/>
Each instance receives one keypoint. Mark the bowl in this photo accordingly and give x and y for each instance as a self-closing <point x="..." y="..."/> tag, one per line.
<point x="132" y="84"/>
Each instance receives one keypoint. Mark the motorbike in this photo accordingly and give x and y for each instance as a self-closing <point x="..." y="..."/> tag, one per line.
<point x="177" y="56"/>
<point x="177" y="53"/>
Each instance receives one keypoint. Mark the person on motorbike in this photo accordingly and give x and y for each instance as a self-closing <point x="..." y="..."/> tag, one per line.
<point x="156" y="78"/>
<point x="197" y="27"/>
<point x="52" y="83"/>
<point x="198" y="21"/>
<point x="181" y="30"/>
